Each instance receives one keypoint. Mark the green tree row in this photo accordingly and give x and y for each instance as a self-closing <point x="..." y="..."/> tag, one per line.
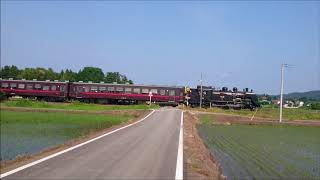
<point x="86" y="74"/>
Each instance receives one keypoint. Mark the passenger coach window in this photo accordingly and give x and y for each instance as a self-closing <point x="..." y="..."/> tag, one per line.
<point x="145" y="91"/>
<point x="29" y="86"/>
<point x="154" y="91"/>
<point x="86" y="89"/>
<point x="13" y="85"/>
<point x="136" y="90"/>
<point x="45" y="88"/>
<point x="102" y="89"/>
<point x="162" y="92"/>
<point x="80" y="89"/>
<point x="128" y="90"/>
<point x="53" y="87"/>
<point x="4" y="85"/>
<point x="94" y="89"/>
<point x="37" y="86"/>
<point x="172" y="93"/>
<point x="110" y="89"/>
<point x="119" y="89"/>
<point x="62" y="88"/>
<point x="21" y="86"/>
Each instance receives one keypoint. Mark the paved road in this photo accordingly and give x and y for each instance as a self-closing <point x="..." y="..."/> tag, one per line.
<point x="147" y="150"/>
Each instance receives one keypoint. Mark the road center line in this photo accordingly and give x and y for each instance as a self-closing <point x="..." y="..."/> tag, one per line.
<point x="179" y="166"/>
<point x="69" y="149"/>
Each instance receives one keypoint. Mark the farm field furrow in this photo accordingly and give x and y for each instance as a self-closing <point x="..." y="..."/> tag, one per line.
<point x="264" y="151"/>
<point x="250" y="158"/>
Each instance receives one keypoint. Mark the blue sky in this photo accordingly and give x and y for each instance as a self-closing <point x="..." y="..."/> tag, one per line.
<point x="170" y="43"/>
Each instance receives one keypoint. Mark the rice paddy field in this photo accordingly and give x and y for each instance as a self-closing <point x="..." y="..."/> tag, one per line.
<point x="27" y="133"/>
<point x="264" y="151"/>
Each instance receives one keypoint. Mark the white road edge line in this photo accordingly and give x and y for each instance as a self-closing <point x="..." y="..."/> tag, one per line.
<point x="69" y="149"/>
<point x="179" y="166"/>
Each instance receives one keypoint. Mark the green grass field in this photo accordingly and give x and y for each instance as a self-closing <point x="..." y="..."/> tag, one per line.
<point x="31" y="132"/>
<point x="264" y="151"/>
<point x="272" y="113"/>
<point x="73" y="105"/>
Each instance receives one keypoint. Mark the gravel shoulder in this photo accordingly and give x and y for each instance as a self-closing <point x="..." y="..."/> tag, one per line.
<point x="199" y="163"/>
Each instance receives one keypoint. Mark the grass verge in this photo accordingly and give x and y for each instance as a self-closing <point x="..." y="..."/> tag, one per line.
<point x="270" y="113"/>
<point x="73" y="105"/>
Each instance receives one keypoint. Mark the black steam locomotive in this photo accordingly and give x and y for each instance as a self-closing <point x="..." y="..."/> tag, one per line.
<point x="223" y="98"/>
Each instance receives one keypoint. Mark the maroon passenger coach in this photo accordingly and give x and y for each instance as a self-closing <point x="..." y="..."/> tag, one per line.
<point x="47" y="90"/>
<point x="93" y="92"/>
<point x="125" y="93"/>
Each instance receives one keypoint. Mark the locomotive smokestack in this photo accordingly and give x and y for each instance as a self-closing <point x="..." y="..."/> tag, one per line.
<point x="224" y="89"/>
<point x="235" y="89"/>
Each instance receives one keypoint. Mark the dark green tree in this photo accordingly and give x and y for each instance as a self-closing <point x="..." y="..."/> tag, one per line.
<point x="28" y="73"/>
<point x="9" y="72"/>
<point x="61" y="74"/>
<point x="304" y="99"/>
<point x="41" y="74"/>
<point x="112" y="77"/>
<point x="68" y="75"/>
<point x="93" y="74"/>
<point x="51" y="75"/>
<point x="315" y="105"/>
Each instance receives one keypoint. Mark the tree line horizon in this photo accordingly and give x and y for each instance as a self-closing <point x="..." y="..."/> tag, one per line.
<point x="86" y="74"/>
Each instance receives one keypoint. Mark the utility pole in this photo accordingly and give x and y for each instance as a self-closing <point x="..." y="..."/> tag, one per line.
<point x="281" y="90"/>
<point x="201" y="91"/>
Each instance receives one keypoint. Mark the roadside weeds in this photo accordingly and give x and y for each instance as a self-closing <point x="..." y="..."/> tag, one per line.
<point x="199" y="163"/>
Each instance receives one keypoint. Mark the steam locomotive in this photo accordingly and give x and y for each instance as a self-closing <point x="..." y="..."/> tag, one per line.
<point x="224" y="98"/>
<point x="129" y="93"/>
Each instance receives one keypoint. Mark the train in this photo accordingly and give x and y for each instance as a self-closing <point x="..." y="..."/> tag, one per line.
<point x="224" y="98"/>
<point x="113" y="93"/>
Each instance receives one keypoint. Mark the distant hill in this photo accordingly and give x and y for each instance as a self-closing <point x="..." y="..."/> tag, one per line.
<point x="310" y="95"/>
